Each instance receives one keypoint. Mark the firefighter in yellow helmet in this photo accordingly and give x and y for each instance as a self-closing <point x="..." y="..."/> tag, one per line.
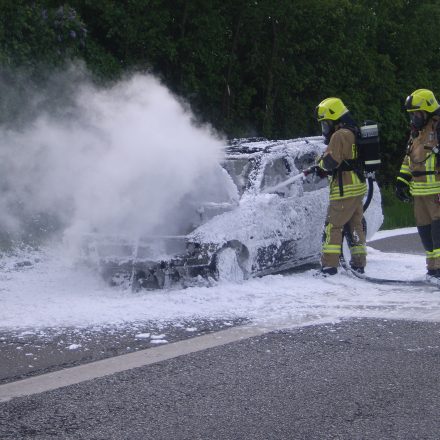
<point x="347" y="186"/>
<point x="419" y="174"/>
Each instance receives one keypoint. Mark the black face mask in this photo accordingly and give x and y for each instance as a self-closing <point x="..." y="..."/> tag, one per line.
<point x="418" y="119"/>
<point x="327" y="128"/>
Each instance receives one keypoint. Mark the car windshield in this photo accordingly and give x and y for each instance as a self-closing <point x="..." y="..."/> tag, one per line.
<point x="239" y="170"/>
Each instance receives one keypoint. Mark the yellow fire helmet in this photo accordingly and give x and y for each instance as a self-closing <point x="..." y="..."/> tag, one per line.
<point x="330" y="109"/>
<point x="421" y="99"/>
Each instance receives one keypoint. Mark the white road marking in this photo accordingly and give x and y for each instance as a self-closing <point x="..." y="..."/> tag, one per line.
<point x="105" y="367"/>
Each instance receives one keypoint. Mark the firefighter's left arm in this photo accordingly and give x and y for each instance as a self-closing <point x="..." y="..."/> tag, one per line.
<point x="328" y="163"/>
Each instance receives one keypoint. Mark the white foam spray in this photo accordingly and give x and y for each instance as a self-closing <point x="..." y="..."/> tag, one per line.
<point x="123" y="160"/>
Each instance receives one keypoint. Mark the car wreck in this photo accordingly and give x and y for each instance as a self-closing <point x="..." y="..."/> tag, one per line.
<point x="251" y="230"/>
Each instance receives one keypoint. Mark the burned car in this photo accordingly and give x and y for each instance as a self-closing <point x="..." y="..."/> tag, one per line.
<point x="257" y="227"/>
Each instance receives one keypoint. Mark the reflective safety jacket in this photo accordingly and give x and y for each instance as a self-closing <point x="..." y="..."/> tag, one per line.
<point x="421" y="166"/>
<point x="340" y="159"/>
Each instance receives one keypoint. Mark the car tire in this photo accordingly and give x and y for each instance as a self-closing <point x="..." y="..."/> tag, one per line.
<point x="146" y="280"/>
<point x="227" y="266"/>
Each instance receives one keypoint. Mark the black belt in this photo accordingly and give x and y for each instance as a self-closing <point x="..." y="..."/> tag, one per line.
<point x="348" y="165"/>
<point x="424" y="173"/>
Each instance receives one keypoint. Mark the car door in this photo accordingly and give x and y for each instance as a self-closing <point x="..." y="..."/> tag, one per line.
<point x="299" y="208"/>
<point x="279" y="248"/>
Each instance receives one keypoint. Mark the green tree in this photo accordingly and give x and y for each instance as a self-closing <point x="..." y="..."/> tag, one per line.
<point x="249" y="67"/>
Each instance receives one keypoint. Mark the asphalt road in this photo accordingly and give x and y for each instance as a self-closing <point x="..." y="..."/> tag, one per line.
<point x="359" y="379"/>
<point x="29" y="354"/>
<point x="407" y="244"/>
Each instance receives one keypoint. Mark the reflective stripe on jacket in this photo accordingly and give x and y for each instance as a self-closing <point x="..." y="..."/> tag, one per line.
<point x="342" y="148"/>
<point x="420" y="159"/>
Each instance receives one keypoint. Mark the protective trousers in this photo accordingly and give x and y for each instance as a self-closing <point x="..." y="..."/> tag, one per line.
<point x="341" y="212"/>
<point x="427" y="215"/>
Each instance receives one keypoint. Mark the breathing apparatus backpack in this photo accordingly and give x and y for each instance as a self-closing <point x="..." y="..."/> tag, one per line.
<point x="368" y="155"/>
<point x="368" y="146"/>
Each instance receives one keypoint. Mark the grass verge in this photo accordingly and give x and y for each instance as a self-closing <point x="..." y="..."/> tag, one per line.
<point x="396" y="213"/>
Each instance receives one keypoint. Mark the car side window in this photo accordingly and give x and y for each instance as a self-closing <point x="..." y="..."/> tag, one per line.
<point x="305" y="161"/>
<point x="275" y="172"/>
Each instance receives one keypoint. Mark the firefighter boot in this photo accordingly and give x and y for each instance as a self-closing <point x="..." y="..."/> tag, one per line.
<point x="329" y="271"/>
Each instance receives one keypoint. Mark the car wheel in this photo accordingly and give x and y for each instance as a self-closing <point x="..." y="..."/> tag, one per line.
<point x="227" y="267"/>
<point x="146" y="280"/>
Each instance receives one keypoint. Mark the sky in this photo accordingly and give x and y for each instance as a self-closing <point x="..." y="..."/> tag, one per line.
<point x="44" y="290"/>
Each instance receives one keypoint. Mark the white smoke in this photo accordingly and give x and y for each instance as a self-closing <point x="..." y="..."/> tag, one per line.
<point x="124" y="160"/>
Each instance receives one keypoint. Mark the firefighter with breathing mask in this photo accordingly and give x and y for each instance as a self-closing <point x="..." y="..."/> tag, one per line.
<point x="347" y="186"/>
<point x="419" y="174"/>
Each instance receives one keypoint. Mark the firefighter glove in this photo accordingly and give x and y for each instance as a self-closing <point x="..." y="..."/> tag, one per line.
<point x="318" y="171"/>
<point x="402" y="191"/>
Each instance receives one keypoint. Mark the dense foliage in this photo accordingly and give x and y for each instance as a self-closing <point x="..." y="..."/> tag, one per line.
<point x="248" y="67"/>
